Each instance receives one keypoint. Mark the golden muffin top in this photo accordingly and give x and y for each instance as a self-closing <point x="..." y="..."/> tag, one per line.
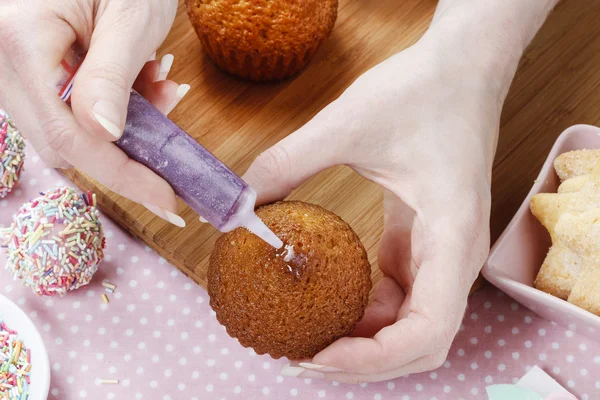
<point x="263" y="26"/>
<point x="290" y="303"/>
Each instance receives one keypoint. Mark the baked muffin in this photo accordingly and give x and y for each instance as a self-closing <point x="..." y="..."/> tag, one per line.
<point x="295" y="301"/>
<point x="262" y="40"/>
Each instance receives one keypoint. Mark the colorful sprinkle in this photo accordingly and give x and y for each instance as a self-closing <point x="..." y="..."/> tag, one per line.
<point x="12" y="154"/>
<point x="104" y="298"/>
<point x="108" y="381"/>
<point x="15" y="365"/>
<point x="55" y="242"/>
<point x="108" y="285"/>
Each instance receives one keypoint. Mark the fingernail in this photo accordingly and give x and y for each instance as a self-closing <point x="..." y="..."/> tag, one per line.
<point x="288" y="370"/>
<point x="203" y="220"/>
<point x="166" y="215"/>
<point x="166" y="62"/>
<point x="179" y="94"/>
<point x="152" y="57"/>
<point x="307" y="373"/>
<point x="108" y="116"/>
<point x="319" y="367"/>
<point x="299" y="372"/>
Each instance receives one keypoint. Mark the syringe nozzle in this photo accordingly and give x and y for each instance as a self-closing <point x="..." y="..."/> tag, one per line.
<point x="256" y="226"/>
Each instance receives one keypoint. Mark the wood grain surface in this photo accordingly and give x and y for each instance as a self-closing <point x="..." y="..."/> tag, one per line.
<point x="557" y="85"/>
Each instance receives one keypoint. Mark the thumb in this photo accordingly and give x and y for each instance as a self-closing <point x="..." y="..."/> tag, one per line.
<point x="119" y="48"/>
<point x="292" y="161"/>
<point x="450" y="245"/>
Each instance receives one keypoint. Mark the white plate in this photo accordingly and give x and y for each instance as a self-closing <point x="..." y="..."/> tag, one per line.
<point x="17" y="320"/>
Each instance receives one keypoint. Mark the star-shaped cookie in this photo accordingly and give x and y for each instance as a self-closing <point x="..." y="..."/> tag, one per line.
<point x="571" y="269"/>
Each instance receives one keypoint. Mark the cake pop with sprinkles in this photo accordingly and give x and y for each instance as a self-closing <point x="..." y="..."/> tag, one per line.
<point x="12" y="154"/>
<point x="55" y="242"/>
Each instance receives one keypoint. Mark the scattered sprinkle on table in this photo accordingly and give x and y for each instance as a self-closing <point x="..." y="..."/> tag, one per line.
<point x="15" y="365"/>
<point x="104" y="298"/>
<point x="55" y="242"/>
<point x="109" y="287"/>
<point x="12" y="154"/>
<point x="109" y="381"/>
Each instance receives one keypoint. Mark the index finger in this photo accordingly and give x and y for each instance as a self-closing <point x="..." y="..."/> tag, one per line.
<point x="392" y="347"/>
<point x="101" y="160"/>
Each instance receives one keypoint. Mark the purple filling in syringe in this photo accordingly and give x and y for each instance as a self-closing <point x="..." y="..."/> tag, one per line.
<point x="197" y="176"/>
<point x="207" y="185"/>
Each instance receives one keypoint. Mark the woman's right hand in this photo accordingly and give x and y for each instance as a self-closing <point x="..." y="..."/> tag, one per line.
<point x="423" y="125"/>
<point x="119" y="37"/>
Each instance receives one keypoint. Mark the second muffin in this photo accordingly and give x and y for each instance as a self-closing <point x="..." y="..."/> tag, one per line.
<point x="262" y="40"/>
<point x="290" y="303"/>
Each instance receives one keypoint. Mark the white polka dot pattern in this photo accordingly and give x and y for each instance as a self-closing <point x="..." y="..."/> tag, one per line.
<point x="160" y="339"/>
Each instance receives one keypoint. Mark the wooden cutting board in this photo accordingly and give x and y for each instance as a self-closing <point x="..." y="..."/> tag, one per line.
<point x="558" y="85"/>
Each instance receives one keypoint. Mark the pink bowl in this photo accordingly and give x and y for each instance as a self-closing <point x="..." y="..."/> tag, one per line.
<point x="518" y="254"/>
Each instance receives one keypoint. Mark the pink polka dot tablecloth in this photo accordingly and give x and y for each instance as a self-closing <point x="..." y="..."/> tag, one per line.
<point x="160" y="339"/>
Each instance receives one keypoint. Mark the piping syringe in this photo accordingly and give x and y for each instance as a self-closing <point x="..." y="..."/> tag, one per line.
<point x="207" y="185"/>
